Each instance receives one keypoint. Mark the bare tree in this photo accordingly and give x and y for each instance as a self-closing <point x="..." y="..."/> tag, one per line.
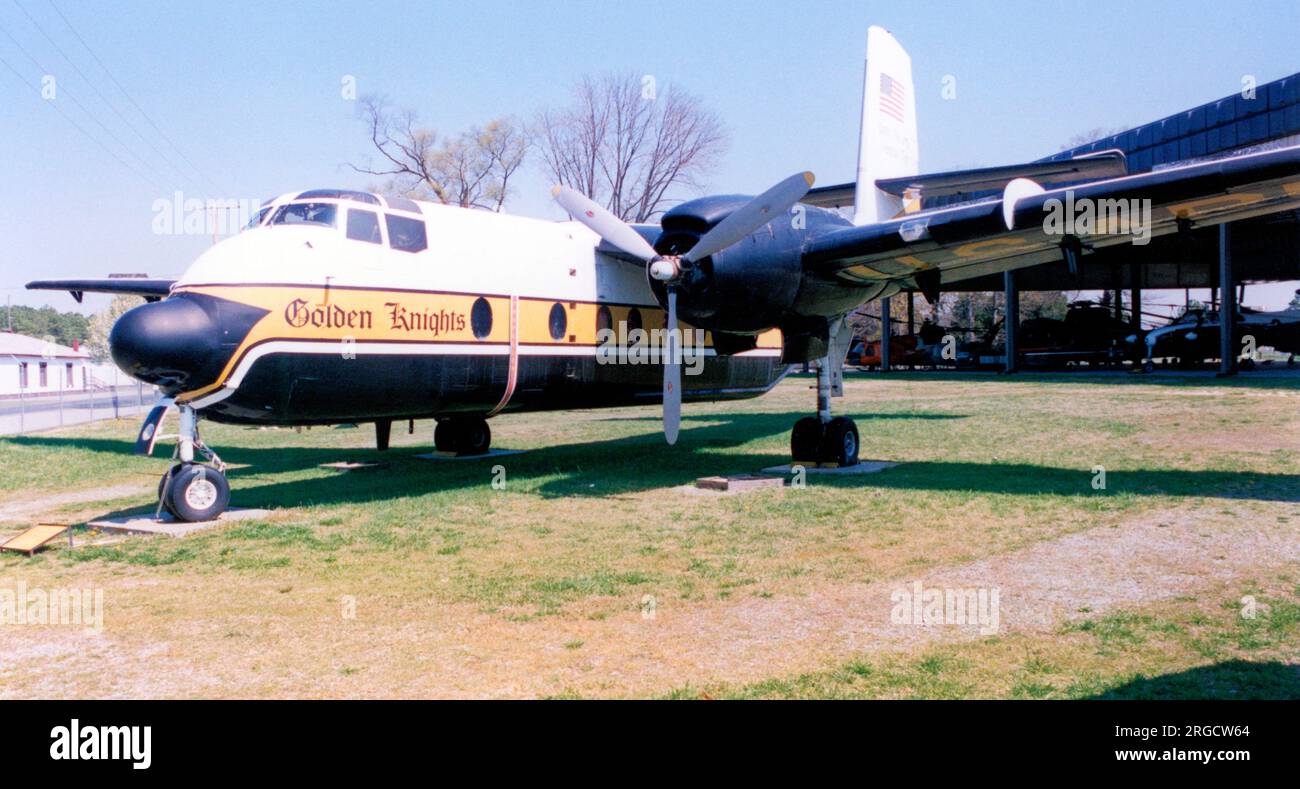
<point x="472" y="170"/>
<point x="625" y="144"/>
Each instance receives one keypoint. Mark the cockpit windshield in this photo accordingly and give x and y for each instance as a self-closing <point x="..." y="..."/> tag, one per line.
<point x="324" y="214"/>
<point x="257" y="218"/>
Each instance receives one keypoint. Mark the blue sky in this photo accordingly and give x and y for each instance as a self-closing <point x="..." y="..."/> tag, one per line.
<point x="250" y="93"/>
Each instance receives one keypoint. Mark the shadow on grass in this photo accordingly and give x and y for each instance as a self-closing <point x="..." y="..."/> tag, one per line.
<point x="1233" y="679"/>
<point x="1273" y="377"/>
<point x="643" y="462"/>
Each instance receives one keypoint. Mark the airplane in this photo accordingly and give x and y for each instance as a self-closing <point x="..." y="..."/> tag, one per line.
<point x="343" y="306"/>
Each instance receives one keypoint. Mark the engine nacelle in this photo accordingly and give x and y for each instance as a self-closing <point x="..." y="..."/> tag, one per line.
<point x="749" y="287"/>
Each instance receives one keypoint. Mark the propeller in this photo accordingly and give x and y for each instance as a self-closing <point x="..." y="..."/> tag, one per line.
<point x="668" y="269"/>
<point x="672" y="373"/>
<point x="606" y="225"/>
<point x="751" y="216"/>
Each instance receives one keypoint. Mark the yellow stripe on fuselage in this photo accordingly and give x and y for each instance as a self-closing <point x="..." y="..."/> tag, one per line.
<point x="316" y="313"/>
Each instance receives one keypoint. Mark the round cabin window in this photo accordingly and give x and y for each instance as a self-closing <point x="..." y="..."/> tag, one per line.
<point x="604" y="320"/>
<point x="559" y="322"/>
<point x="633" y="319"/>
<point x="480" y="318"/>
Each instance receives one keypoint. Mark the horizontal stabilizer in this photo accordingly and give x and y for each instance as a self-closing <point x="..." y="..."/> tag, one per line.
<point x="151" y="289"/>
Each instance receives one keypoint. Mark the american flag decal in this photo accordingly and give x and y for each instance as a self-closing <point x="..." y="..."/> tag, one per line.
<point x="892" y="96"/>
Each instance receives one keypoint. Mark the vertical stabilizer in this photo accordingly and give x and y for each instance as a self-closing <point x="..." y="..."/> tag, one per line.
<point x="887" y="142"/>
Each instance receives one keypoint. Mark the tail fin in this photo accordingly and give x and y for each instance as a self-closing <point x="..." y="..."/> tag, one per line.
<point x="887" y="145"/>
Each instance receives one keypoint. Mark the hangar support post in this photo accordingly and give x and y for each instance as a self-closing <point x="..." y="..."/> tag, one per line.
<point x="1227" y="303"/>
<point x="1135" y="297"/>
<point x="886" y="332"/>
<point x="1011" y="321"/>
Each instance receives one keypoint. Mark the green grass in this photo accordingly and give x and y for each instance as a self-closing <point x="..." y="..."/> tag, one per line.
<point x="1160" y="653"/>
<point x="591" y="523"/>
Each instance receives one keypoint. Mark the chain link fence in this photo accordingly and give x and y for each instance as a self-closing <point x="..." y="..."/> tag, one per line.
<point x="113" y="396"/>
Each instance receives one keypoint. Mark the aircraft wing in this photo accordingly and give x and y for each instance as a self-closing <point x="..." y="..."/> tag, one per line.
<point x="927" y="248"/>
<point x="1092" y="167"/>
<point x="151" y="289"/>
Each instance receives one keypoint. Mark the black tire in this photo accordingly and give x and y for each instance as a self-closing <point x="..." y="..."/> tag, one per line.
<point x="840" y="444"/>
<point x="162" y="487"/>
<point x="198" y="493"/>
<point x="1148" y="366"/>
<point x="806" y="440"/>
<point x="1247" y="365"/>
<point x="444" y="435"/>
<point x="473" y="437"/>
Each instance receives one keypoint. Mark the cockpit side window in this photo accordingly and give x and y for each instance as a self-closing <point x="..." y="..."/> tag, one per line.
<point x="325" y="214"/>
<point x="364" y="226"/>
<point x="405" y="233"/>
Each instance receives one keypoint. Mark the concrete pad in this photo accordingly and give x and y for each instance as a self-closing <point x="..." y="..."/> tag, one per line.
<point x="863" y="467"/>
<point x="739" y="483"/>
<point x="168" y="525"/>
<point x="491" y="453"/>
<point x="352" y="465"/>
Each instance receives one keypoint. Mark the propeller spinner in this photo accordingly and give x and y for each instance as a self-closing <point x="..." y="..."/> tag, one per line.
<point x="668" y="268"/>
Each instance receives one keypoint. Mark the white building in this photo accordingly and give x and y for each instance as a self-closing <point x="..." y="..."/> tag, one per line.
<point x="32" y="367"/>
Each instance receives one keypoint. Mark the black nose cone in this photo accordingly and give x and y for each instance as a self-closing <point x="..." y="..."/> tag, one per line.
<point x="174" y="343"/>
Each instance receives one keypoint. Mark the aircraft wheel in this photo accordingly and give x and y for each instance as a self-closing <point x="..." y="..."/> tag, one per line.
<point x="197" y="493"/>
<point x="474" y="437"/>
<point x="1247" y="364"/>
<point x="1148" y="366"/>
<point x="840" y="444"/>
<point x="163" y="490"/>
<point x="806" y="440"/>
<point x="444" y="435"/>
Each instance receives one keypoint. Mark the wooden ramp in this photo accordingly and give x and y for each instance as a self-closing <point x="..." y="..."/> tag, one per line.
<point x="34" y="538"/>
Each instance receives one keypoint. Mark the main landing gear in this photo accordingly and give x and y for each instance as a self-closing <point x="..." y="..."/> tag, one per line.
<point x="193" y="492"/>
<point x="821" y="439"/>
<point x="462" y="435"/>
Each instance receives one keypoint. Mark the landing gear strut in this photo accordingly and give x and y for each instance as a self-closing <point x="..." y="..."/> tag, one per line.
<point x="193" y="492"/>
<point x="822" y="439"/>
<point x="463" y="435"/>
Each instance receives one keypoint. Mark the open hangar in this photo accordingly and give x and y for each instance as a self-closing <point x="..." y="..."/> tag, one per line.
<point x="1250" y="251"/>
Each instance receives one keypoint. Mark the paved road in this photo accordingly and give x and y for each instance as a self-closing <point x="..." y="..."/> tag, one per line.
<point x="48" y="411"/>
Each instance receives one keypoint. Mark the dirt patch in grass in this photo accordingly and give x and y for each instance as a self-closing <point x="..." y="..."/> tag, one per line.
<point x="70" y="504"/>
<point x="263" y="639"/>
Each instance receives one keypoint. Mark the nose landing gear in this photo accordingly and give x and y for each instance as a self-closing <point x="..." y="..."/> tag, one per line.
<point x="189" y="491"/>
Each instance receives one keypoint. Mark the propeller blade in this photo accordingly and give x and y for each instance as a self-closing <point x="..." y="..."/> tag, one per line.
<point x="606" y="225"/>
<point x="751" y="216"/>
<point x="672" y="374"/>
